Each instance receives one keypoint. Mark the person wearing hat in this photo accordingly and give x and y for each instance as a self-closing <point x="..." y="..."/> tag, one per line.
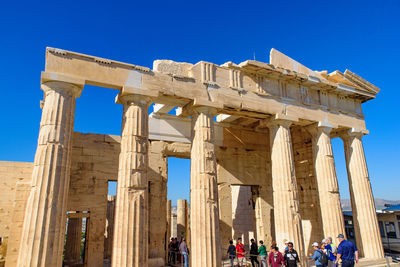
<point x="183" y="249"/>
<point x="319" y="256"/>
<point x="286" y="245"/>
<point x="347" y="252"/>
<point x="329" y="252"/>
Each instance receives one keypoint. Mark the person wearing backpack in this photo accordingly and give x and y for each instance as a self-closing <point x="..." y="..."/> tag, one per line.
<point x="231" y="252"/>
<point x="328" y="249"/>
<point x="320" y="258"/>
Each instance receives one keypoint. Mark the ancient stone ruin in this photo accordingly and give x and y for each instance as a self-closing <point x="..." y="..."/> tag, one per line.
<point x="259" y="139"/>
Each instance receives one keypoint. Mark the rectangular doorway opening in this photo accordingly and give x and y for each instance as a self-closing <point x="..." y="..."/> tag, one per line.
<point x="244" y="221"/>
<point x="76" y="236"/>
<point x="178" y="192"/>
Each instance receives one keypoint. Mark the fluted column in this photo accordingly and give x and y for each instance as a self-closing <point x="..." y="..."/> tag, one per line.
<point x="327" y="184"/>
<point x="181" y="218"/>
<point x="109" y="236"/>
<point x="130" y="246"/>
<point x="43" y="232"/>
<point x="363" y="206"/>
<point x="168" y="220"/>
<point x="204" y="218"/>
<point x="286" y="202"/>
<point x="73" y="243"/>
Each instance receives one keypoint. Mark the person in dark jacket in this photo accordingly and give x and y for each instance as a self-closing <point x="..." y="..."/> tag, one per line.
<point x="291" y="256"/>
<point x="231" y="252"/>
<point x="254" y="253"/>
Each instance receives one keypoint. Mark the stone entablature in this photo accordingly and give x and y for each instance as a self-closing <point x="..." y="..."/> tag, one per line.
<point x="252" y="88"/>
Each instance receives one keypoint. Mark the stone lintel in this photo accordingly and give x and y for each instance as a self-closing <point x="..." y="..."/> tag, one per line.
<point x="78" y="215"/>
<point x="198" y="102"/>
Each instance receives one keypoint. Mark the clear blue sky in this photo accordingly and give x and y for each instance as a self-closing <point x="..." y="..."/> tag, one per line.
<point x="363" y="36"/>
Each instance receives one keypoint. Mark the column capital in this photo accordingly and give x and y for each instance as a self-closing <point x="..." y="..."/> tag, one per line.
<point x="62" y="88"/>
<point x="280" y="120"/>
<point x="319" y="127"/>
<point x="127" y="99"/>
<point x="58" y="81"/>
<point x="353" y="132"/>
<point x="128" y="93"/>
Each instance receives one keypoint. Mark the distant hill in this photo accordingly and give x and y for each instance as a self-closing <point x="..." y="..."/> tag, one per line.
<point x="379" y="203"/>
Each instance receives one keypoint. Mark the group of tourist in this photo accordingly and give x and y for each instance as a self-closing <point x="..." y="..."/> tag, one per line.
<point x="272" y="258"/>
<point x="178" y="251"/>
<point x="326" y="255"/>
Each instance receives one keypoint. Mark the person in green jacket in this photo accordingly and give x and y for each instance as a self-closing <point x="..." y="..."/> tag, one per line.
<point x="262" y="252"/>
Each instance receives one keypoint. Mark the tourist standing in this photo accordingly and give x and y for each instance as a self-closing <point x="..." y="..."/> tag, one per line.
<point x="275" y="258"/>
<point x="286" y="246"/>
<point x="334" y="251"/>
<point x="183" y="249"/>
<point x="254" y="253"/>
<point x="170" y="253"/>
<point x="291" y="256"/>
<point x="174" y="249"/>
<point x="347" y="252"/>
<point x="320" y="258"/>
<point x="241" y="253"/>
<point x="329" y="252"/>
<point x="262" y="252"/>
<point x="231" y="252"/>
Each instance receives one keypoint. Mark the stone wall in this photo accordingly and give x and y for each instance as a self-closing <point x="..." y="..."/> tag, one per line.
<point x="15" y="180"/>
<point x="10" y="174"/>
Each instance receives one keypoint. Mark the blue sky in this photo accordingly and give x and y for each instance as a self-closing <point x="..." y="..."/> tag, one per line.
<point x="362" y="36"/>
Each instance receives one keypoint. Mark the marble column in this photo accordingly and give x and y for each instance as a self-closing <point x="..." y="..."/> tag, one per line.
<point x="286" y="202"/>
<point x="130" y="246"/>
<point x="181" y="218"/>
<point x="169" y="206"/>
<point x="73" y="243"/>
<point x="43" y="232"/>
<point x="364" y="213"/>
<point x="168" y="233"/>
<point x="108" y="240"/>
<point x="204" y="218"/>
<point x="327" y="184"/>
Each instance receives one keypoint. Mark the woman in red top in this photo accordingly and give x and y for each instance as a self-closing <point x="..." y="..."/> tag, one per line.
<point x="275" y="258"/>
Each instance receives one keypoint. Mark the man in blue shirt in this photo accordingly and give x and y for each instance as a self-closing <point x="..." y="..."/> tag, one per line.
<point x="347" y="251"/>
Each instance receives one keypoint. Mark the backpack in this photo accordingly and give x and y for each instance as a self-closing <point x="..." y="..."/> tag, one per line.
<point x="323" y="259"/>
